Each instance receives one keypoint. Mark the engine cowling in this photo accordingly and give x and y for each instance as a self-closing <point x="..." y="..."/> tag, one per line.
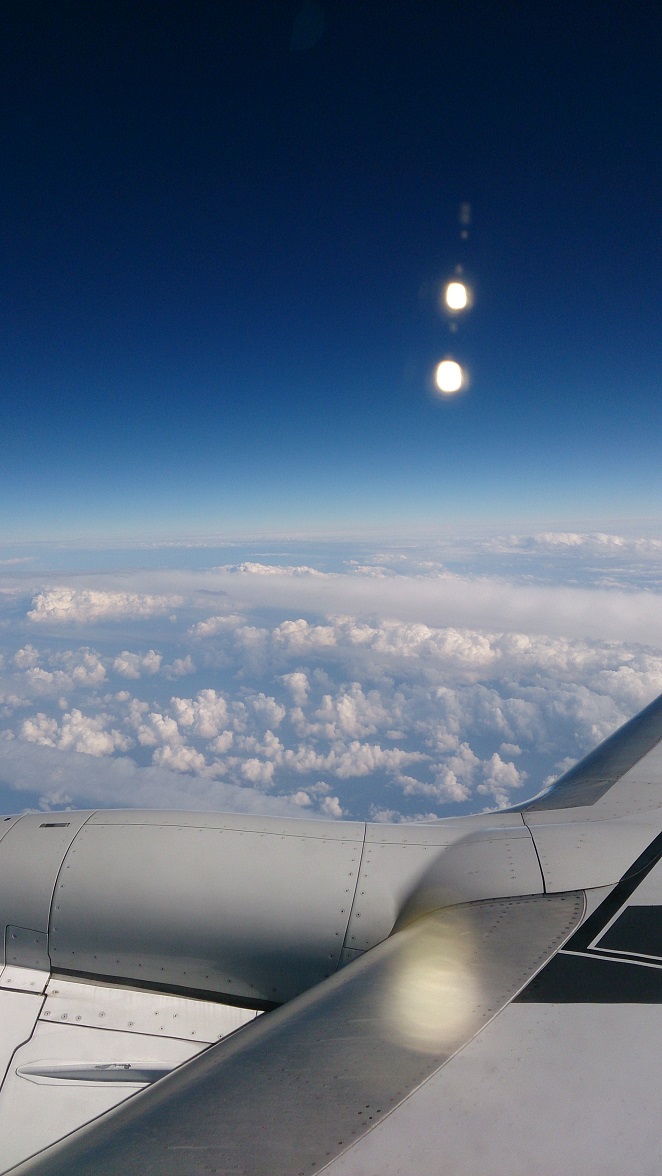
<point x="244" y="910"/>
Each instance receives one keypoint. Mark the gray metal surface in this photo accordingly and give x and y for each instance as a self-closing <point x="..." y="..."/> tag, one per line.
<point x="598" y="771"/>
<point x="30" y="858"/>
<point x="407" y="872"/>
<point x="240" y="822"/>
<point x="253" y="916"/>
<point x="6" y="824"/>
<point x="156" y="1014"/>
<point x="258" y="911"/>
<point x="297" y="1087"/>
<point x="582" y="855"/>
<point x="26" y="949"/>
<point x="40" y="1102"/>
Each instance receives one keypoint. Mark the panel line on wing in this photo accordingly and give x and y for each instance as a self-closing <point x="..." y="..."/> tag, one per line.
<point x="535" y="850"/>
<point x="349" y="951"/>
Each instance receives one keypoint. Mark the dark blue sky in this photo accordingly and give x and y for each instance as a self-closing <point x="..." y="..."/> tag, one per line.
<point x="224" y="231"/>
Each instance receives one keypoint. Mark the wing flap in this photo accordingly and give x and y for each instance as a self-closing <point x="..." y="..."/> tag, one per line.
<point x="299" y="1086"/>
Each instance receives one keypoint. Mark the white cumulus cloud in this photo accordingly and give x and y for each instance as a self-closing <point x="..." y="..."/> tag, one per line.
<point x="133" y="665"/>
<point x="82" y="606"/>
<point x="88" y="734"/>
<point x="500" y="779"/>
<point x="298" y="686"/>
<point x="259" y="569"/>
<point x="180" y="667"/>
<point x="214" y="625"/>
<point x="26" y="658"/>
<point x="257" y="771"/>
<point x="206" y="714"/>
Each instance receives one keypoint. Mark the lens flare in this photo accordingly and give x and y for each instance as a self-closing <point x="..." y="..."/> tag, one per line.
<point x="456" y="296"/>
<point x="430" y="997"/>
<point x="449" y="377"/>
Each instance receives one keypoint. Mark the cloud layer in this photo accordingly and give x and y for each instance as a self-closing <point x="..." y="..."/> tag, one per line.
<point x="419" y="692"/>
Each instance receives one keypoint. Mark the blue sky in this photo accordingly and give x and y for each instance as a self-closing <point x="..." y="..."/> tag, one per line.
<point x="249" y="560"/>
<point x="226" y="229"/>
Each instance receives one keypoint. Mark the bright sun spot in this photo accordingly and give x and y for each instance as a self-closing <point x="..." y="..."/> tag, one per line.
<point x="456" y="296"/>
<point x="448" y="376"/>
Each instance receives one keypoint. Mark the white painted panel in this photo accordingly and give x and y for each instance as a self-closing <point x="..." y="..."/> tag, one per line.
<point x="23" y="979"/>
<point x="239" y="822"/>
<point x="153" y="1013"/>
<point x="442" y="832"/>
<point x="18" y="1016"/>
<point x="6" y="824"/>
<point x="586" y="854"/>
<point x="35" y="1112"/>
<point x="78" y="1028"/>
<point x="638" y="791"/>
<point x="649" y="892"/>
<point x="544" y="1089"/>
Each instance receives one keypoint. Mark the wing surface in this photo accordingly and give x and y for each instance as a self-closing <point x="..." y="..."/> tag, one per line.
<point x="298" y="1087"/>
<point x="567" y="1078"/>
<point x="498" y="1037"/>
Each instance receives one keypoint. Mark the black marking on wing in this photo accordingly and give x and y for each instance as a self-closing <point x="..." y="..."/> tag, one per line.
<point x="636" y="932"/>
<point x="613" y="958"/>
<point x="617" y="898"/>
<point x="594" y="979"/>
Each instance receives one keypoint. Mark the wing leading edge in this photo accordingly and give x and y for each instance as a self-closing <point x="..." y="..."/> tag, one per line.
<point x="299" y="1086"/>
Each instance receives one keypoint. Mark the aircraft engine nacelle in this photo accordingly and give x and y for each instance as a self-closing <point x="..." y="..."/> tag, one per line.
<point x="244" y="910"/>
<point x="235" y="907"/>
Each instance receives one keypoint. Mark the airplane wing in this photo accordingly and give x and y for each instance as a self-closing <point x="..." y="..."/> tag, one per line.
<point x="498" y="1011"/>
<point x="325" y="1068"/>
